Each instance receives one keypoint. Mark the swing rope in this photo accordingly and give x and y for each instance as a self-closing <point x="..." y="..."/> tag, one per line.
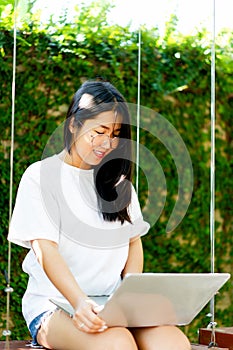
<point x="8" y="288"/>
<point x="138" y="110"/>
<point x="212" y="323"/>
<point x="212" y="174"/>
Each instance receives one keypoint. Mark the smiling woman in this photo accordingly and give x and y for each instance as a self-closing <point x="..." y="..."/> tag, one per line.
<point x="84" y="230"/>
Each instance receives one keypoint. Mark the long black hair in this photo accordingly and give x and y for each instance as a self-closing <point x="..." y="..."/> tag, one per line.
<point x="113" y="175"/>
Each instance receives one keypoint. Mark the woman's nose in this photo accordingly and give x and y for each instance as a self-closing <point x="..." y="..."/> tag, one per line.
<point x="106" y="142"/>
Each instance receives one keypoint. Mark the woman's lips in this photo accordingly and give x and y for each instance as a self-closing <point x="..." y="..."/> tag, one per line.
<point x="99" y="154"/>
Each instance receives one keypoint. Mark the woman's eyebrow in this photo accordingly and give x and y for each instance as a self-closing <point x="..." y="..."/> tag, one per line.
<point x="107" y="128"/>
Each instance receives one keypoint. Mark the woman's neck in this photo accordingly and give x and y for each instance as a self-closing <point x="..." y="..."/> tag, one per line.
<point x="71" y="159"/>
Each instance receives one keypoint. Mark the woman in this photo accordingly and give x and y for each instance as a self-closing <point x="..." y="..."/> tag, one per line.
<point x="83" y="229"/>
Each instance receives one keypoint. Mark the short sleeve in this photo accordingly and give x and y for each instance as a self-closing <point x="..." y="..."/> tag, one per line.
<point x="139" y="226"/>
<point x="30" y="219"/>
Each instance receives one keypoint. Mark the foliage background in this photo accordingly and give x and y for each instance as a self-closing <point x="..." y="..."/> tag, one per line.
<point x="52" y="62"/>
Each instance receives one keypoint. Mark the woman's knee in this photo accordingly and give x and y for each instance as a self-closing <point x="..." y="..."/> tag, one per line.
<point x="178" y="338"/>
<point x="163" y="338"/>
<point x="120" y="338"/>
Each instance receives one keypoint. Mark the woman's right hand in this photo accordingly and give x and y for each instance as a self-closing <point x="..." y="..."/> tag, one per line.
<point x="85" y="317"/>
<point x="58" y="272"/>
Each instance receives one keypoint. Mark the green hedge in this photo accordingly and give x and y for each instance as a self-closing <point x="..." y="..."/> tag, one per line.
<point x="175" y="82"/>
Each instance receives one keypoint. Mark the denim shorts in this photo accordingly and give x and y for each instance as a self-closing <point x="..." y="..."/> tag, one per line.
<point x="35" y="326"/>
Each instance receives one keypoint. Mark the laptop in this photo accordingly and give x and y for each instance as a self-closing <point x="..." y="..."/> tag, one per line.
<point x="153" y="299"/>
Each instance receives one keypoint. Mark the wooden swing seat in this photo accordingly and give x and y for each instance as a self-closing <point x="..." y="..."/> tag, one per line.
<point x="25" y="345"/>
<point x="205" y="347"/>
<point x="16" y="345"/>
<point x="223" y="336"/>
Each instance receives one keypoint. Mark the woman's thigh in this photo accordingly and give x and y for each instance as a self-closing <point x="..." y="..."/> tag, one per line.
<point x="58" y="332"/>
<point x="160" y="338"/>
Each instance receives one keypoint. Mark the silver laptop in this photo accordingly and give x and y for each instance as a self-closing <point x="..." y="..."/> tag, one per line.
<point x="152" y="299"/>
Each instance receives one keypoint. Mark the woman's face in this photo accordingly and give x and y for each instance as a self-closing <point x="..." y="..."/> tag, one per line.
<point x="96" y="139"/>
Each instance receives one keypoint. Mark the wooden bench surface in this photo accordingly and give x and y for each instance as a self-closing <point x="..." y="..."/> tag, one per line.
<point x="15" y="345"/>
<point x="205" y="347"/>
<point x="24" y="345"/>
<point x="223" y="336"/>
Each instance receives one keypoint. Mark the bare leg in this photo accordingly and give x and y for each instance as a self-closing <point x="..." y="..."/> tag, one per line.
<point x="59" y="333"/>
<point x="161" y="338"/>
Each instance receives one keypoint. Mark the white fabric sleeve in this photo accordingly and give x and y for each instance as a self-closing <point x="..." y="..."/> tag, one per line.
<point x="139" y="227"/>
<point x="30" y="219"/>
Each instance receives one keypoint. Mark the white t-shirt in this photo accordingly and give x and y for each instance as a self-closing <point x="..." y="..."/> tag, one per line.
<point x="58" y="202"/>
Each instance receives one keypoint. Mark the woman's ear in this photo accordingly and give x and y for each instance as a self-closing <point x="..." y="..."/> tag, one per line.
<point x="71" y="125"/>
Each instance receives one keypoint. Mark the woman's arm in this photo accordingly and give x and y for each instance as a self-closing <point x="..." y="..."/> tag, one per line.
<point x="57" y="270"/>
<point x="134" y="262"/>
<point x="60" y="275"/>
